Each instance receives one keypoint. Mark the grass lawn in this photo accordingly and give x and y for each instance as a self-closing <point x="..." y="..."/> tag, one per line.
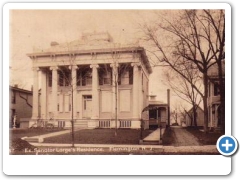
<point x="100" y="136"/>
<point x="205" y="139"/>
<point x="168" y="137"/>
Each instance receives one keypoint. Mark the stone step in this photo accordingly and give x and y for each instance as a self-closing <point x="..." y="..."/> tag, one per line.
<point x="150" y="142"/>
<point x="82" y="124"/>
<point x="34" y="139"/>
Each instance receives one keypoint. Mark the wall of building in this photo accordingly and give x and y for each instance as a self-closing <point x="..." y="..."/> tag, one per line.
<point x="104" y="104"/>
<point x="200" y="118"/>
<point x="20" y="106"/>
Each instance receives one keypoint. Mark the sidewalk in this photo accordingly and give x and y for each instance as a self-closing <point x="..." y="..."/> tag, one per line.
<point x="38" y="141"/>
<point x="40" y="138"/>
<point x="155" y="135"/>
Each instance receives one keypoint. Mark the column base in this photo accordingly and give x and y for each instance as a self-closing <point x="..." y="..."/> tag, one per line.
<point x="93" y="123"/>
<point x="113" y="124"/>
<point x="32" y="121"/>
<point x="136" y="123"/>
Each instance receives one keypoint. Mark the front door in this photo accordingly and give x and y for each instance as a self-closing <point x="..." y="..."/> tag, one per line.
<point x="87" y="106"/>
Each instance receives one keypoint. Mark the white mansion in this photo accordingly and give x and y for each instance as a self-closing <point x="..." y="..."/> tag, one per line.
<point x="92" y="81"/>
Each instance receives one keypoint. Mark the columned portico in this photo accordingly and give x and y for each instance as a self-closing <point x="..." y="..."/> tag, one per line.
<point x="54" y="91"/>
<point x="95" y="95"/>
<point x="35" y="115"/>
<point x="92" y="83"/>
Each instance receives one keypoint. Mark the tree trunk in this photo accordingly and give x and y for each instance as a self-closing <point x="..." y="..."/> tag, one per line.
<point x="205" y="104"/>
<point x="195" y="115"/>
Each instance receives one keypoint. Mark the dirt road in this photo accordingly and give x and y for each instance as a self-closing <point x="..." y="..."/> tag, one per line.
<point x="183" y="137"/>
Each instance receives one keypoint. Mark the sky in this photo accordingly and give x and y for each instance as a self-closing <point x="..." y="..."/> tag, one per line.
<point x="36" y="29"/>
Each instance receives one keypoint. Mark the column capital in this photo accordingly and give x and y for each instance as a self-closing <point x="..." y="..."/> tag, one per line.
<point x="73" y="67"/>
<point x="35" y="69"/>
<point x="94" y="66"/>
<point x="137" y="64"/>
<point x="53" y="68"/>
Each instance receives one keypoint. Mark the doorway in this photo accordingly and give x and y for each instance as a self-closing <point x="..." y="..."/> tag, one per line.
<point x="87" y="106"/>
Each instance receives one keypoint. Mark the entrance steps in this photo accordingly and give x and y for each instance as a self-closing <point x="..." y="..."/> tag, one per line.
<point x="153" y="138"/>
<point x="81" y="124"/>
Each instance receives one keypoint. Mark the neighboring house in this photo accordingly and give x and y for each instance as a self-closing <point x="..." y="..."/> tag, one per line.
<point x="158" y="112"/>
<point x="214" y="97"/>
<point x="89" y="80"/>
<point x="20" y="101"/>
<point x="199" y="117"/>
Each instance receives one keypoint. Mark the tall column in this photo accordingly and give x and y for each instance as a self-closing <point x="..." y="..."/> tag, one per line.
<point x="135" y="90"/>
<point x="43" y="95"/>
<point x="95" y="94"/>
<point x="74" y="89"/>
<point x="140" y="91"/>
<point x="114" y="67"/>
<point x="35" y="94"/>
<point x="54" y="103"/>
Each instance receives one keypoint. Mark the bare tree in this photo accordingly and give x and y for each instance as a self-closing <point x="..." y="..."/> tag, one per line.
<point x="185" y="90"/>
<point x="189" y="39"/>
<point x="25" y="97"/>
<point x="215" y="35"/>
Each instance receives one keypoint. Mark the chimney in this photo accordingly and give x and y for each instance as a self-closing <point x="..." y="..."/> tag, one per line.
<point x="54" y="43"/>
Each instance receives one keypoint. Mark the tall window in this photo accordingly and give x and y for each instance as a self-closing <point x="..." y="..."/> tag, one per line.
<point x="216" y="89"/>
<point x="125" y="77"/>
<point x="64" y="78"/>
<point x="105" y="74"/>
<point x="13" y="97"/>
<point x="50" y="79"/>
<point x="84" y="76"/>
<point x="79" y="77"/>
<point x="87" y="78"/>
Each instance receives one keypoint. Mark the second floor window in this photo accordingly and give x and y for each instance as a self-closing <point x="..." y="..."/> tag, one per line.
<point x="13" y="97"/>
<point x="50" y="79"/>
<point x="105" y="78"/>
<point x="216" y="91"/>
<point x="87" y="78"/>
<point x="64" y="78"/>
<point x="126" y="76"/>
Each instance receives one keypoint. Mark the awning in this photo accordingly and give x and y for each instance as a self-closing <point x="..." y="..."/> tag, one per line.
<point x="153" y="107"/>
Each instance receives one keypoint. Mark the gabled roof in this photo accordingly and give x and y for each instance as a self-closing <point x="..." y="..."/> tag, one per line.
<point x="20" y="90"/>
<point x="198" y="107"/>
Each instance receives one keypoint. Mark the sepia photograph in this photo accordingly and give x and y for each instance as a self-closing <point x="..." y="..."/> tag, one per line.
<point x="116" y="82"/>
<point x="117" y="89"/>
